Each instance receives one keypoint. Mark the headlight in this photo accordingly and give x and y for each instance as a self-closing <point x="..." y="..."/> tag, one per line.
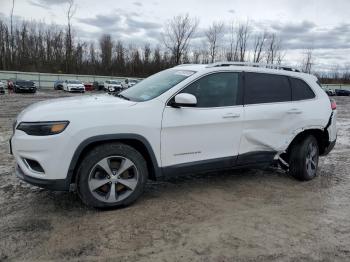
<point x="43" y="128"/>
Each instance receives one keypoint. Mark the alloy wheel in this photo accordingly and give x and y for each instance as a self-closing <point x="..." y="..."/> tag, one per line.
<point x="113" y="179"/>
<point x="311" y="159"/>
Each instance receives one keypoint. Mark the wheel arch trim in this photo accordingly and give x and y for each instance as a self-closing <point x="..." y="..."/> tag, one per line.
<point x="104" y="138"/>
<point x="301" y="132"/>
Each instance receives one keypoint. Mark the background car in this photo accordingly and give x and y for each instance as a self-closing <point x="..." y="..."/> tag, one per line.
<point x="329" y="91"/>
<point x="342" y="92"/>
<point x="129" y="83"/>
<point x="88" y="86"/>
<point x="73" y="86"/>
<point x="98" y="85"/>
<point x="20" y="86"/>
<point x="133" y="82"/>
<point x="113" y="86"/>
<point x="2" y="88"/>
<point x="58" y="85"/>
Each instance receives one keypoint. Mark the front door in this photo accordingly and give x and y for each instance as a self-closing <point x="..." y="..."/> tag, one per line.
<point x="206" y="136"/>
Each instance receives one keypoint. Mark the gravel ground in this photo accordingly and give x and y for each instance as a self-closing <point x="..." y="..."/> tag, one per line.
<point x="249" y="215"/>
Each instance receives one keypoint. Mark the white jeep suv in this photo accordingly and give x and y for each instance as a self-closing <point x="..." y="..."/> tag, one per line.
<point x="186" y="119"/>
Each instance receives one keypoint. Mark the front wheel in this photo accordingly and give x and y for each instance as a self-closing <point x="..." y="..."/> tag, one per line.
<point x="111" y="175"/>
<point x="303" y="160"/>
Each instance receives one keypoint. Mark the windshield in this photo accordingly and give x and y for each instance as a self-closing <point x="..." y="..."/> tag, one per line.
<point x="74" y="82"/>
<point x="114" y="82"/>
<point x="156" y="85"/>
<point x="25" y="83"/>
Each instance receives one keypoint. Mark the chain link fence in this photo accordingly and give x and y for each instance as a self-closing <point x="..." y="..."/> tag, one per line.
<point x="46" y="80"/>
<point x="337" y="86"/>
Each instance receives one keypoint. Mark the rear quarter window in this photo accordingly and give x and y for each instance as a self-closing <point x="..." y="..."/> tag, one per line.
<point x="301" y="90"/>
<point x="266" y="88"/>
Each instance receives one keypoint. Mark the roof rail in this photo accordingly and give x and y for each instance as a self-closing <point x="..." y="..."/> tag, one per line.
<point x="181" y="65"/>
<point x="271" y="66"/>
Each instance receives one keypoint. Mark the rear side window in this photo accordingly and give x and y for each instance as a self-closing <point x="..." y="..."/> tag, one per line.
<point x="266" y="88"/>
<point x="301" y="90"/>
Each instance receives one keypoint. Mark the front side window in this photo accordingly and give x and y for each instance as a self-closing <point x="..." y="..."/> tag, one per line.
<point x="156" y="85"/>
<point x="266" y="88"/>
<point x="301" y="90"/>
<point x="216" y="90"/>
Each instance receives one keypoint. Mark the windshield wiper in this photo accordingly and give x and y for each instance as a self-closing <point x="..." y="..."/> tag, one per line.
<point x="121" y="96"/>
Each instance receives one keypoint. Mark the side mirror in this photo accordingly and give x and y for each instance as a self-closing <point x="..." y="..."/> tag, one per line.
<point x="184" y="99"/>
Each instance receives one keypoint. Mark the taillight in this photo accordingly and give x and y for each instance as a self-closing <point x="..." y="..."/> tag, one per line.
<point x="333" y="105"/>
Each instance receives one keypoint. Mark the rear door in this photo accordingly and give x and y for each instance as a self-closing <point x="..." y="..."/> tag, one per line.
<point x="269" y="117"/>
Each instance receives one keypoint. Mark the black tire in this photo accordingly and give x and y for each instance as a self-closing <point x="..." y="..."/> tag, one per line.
<point x="91" y="160"/>
<point x="300" y="165"/>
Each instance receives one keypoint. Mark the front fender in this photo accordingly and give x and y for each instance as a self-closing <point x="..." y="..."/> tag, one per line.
<point x="102" y="138"/>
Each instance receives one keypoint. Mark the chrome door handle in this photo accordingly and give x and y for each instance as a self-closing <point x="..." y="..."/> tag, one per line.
<point x="231" y="115"/>
<point x="294" y="111"/>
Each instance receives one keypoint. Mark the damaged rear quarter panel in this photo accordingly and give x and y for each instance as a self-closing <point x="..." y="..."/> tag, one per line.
<point x="271" y="126"/>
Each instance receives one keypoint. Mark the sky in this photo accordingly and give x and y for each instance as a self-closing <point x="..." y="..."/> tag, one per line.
<point x="321" y="25"/>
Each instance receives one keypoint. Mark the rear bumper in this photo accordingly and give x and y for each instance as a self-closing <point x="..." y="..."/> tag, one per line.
<point x="52" y="184"/>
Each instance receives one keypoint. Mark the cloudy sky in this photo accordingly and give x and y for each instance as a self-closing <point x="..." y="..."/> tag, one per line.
<point x="323" y="25"/>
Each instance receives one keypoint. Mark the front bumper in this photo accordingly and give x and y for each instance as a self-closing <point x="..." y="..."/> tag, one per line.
<point x="26" y="89"/>
<point x="76" y="89"/>
<point x="52" y="153"/>
<point x="52" y="184"/>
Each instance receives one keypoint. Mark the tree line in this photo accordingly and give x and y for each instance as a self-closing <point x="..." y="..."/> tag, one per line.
<point x="33" y="46"/>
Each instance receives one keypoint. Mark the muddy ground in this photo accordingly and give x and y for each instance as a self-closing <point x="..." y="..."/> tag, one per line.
<point x="247" y="215"/>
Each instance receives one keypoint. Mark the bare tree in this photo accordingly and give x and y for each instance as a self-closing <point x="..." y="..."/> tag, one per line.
<point x="231" y="47"/>
<point x="259" y="45"/>
<point x="214" y="35"/>
<point x="69" y="39"/>
<point x="120" y="60"/>
<point x="92" y="58"/>
<point x="196" y="56"/>
<point x="146" y="53"/>
<point x="12" y="38"/>
<point x="274" y="50"/>
<point x="177" y="35"/>
<point x="242" y="41"/>
<point x="106" y="46"/>
<point x="307" y="61"/>
<point x="346" y="75"/>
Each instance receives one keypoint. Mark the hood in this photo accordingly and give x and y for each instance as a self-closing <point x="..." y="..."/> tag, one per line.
<point x="64" y="108"/>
